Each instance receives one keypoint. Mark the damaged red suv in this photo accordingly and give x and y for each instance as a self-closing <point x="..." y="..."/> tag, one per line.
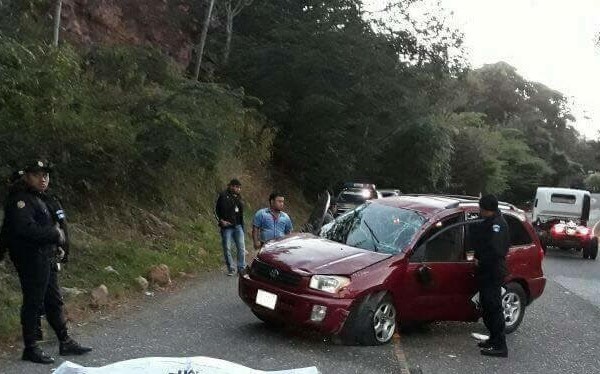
<point x="390" y="261"/>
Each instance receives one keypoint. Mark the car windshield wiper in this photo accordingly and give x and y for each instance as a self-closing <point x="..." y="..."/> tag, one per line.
<point x="375" y="240"/>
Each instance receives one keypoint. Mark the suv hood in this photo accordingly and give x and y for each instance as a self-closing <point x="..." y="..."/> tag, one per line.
<point x="307" y="254"/>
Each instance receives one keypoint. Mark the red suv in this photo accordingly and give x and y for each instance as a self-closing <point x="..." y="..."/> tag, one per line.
<point x="390" y="261"/>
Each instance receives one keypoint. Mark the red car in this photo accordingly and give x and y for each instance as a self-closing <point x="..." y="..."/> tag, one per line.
<point x="390" y="261"/>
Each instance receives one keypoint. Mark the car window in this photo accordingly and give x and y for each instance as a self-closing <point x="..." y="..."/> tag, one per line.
<point x="518" y="233"/>
<point x="375" y="227"/>
<point x="447" y="247"/>
<point x="563" y="198"/>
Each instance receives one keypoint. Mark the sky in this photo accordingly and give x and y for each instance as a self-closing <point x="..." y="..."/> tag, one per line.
<point x="548" y="41"/>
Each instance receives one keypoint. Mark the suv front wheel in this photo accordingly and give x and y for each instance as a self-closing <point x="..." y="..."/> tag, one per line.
<point x="373" y="322"/>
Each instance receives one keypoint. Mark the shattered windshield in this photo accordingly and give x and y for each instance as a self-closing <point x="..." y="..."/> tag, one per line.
<point x="375" y="227"/>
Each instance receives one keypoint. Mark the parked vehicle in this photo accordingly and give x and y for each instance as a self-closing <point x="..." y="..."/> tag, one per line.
<point x="390" y="261"/>
<point x="389" y="192"/>
<point x="561" y="216"/>
<point x="355" y="194"/>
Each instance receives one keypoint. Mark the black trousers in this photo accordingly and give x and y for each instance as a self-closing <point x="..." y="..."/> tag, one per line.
<point x="492" y="312"/>
<point x="41" y="295"/>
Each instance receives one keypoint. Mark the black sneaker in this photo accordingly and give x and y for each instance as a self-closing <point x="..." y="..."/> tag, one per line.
<point x="72" y="348"/>
<point x="495" y="352"/>
<point x="35" y="354"/>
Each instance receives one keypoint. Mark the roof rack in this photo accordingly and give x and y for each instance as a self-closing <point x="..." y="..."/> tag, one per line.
<point x="464" y="199"/>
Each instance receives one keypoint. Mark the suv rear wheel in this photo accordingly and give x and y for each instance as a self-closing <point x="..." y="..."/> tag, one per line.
<point x="592" y="249"/>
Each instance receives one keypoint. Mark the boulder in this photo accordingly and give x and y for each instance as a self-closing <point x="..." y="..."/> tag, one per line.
<point x="142" y="283"/>
<point x="99" y="296"/>
<point x="159" y="275"/>
<point x="71" y="292"/>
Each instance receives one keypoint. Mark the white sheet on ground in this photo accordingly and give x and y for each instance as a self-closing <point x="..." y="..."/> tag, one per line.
<point x="169" y="365"/>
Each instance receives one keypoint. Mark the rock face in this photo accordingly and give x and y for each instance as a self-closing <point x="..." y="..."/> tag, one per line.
<point x="159" y="23"/>
<point x="159" y="275"/>
<point x="99" y="296"/>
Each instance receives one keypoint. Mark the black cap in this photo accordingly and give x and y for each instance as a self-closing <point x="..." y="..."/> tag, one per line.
<point x="489" y="202"/>
<point x="235" y="182"/>
<point x="37" y="165"/>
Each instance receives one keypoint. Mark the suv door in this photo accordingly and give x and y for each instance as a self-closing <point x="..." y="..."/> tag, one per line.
<point x="440" y="279"/>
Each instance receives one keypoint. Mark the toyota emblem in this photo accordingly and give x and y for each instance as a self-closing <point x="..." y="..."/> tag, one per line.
<point x="274" y="273"/>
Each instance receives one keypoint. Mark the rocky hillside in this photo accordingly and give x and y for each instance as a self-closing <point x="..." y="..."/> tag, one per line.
<point x="166" y="24"/>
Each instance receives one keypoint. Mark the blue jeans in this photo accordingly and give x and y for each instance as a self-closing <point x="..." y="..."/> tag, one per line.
<point x="236" y="234"/>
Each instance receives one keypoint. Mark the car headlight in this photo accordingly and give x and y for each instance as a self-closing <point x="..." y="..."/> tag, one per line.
<point x="328" y="283"/>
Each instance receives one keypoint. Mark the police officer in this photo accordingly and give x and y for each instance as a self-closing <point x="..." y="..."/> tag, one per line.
<point x="492" y="241"/>
<point x="32" y="233"/>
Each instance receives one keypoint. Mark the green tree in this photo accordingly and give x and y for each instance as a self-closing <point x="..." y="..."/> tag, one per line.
<point x="592" y="182"/>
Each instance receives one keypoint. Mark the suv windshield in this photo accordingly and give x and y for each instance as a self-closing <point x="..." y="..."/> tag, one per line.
<point x="375" y="227"/>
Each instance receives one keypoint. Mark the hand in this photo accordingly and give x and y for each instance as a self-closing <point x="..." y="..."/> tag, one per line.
<point x="61" y="254"/>
<point x="62" y="238"/>
<point x="224" y="223"/>
<point x="258" y="245"/>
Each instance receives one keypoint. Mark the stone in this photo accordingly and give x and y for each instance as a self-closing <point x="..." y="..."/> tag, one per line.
<point x="142" y="283"/>
<point x="99" y="296"/>
<point x="110" y="269"/>
<point x="71" y="292"/>
<point x="159" y="275"/>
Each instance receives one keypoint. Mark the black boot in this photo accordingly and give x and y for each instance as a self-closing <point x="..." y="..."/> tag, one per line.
<point x="35" y="354"/>
<point x="495" y="351"/>
<point x="71" y="348"/>
<point x="39" y="334"/>
<point x="484" y="344"/>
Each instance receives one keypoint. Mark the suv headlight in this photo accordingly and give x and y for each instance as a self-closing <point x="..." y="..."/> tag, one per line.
<point x="328" y="283"/>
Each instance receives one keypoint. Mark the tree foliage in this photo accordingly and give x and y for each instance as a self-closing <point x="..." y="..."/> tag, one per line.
<point x="118" y="121"/>
<point x="394" y="102"/>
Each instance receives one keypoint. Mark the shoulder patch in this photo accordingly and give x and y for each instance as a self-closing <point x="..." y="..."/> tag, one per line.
<point x="496" y="228"/>
<point x="20" y="204"/>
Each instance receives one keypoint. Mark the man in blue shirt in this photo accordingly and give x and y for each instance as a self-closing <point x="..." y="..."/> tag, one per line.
<point x="271" y="223"/>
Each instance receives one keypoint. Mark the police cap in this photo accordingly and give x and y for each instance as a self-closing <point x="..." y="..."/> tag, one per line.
<point x="37" y="165"/>
<point x="489" y="202"/>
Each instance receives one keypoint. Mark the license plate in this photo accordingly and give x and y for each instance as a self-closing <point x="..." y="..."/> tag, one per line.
<point x="570" y="232"/>
<point x="266" y="299"/>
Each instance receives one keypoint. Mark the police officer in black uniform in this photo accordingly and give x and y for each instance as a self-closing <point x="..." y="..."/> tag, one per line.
<point x="32" y="232"/>
<point x="492" y="241"/>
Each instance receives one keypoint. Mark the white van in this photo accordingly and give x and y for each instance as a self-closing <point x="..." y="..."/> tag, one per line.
<point x="561" y="204"/>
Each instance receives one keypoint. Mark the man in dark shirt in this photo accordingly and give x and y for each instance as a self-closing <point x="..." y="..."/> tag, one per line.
<point x="229" y="212"/>
<point x="492" y="241"/>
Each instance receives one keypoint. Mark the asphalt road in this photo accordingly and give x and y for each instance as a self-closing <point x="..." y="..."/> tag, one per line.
<point x="560" y="333"/>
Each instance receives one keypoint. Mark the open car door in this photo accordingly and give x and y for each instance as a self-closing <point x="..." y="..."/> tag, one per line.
<point x="315" y="221"/>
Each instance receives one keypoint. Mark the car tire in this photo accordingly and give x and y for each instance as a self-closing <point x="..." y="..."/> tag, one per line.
<point x="372" y="322"/>
<point x="515" y="297"/>
<point x="269" y="321"/>
<point x="593" y="248"/>
<point x="585" y="252"/>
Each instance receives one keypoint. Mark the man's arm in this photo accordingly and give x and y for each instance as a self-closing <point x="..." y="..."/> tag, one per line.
<point x="26" y="226"/>
<point x="256" y="237"/>
<point x="288" y="226"/>
<point x="219" y="211"/>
